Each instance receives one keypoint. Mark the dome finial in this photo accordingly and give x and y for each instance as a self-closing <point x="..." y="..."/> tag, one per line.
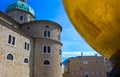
<point x="23" y="0"/>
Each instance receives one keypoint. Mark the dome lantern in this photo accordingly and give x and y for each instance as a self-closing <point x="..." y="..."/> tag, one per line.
<point x="23" y="0"/>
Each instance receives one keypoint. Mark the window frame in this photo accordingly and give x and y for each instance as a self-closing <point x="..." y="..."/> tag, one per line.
<point x="46" y="49"/>
<point x="46" y="34"/>
<point x="11" y="40"/>
<point x="24" y="60"/>
<point x="46" y="60"/>
<point x="85" y="62"/>
<point x="21" y="18"/>
<point x="9" y="59"/>
<point x="47" y="26"/>
<point x="91" y="61"/>
<point x="60" y="52"/>
<point x="61" y="64"/>
<point x="27" y="46"/>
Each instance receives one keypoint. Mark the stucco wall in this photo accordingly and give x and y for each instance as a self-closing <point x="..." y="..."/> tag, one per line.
<point x="16" y="67"/>
<point x="54" y="69"/>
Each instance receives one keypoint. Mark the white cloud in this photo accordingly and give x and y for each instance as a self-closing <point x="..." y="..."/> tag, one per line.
<point x="67" y="54"/>
<point x="78" y="53"/>
<point x="73" y="43"/>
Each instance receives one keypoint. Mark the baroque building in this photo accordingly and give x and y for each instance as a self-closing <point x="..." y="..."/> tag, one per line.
<point x="87" y="66"/>
<point x="28" y="47"/>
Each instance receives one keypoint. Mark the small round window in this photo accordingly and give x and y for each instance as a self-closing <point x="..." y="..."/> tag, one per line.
<point x="47" y="26"/>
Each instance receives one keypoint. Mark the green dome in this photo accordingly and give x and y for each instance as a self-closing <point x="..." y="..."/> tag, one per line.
<point x="21" y="6"/>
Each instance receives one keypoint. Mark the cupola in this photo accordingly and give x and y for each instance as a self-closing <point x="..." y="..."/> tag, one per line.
<point x="21" y="5"/>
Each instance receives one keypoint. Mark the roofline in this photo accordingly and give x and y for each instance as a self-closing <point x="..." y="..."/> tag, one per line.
<point x="19" y="10"/>
<point x="3" y="15"/>
<point x="51" y="40"/>
<point x="85" y="57"/>
<point x="39" y="21"/>
<point x="11" y="24"/>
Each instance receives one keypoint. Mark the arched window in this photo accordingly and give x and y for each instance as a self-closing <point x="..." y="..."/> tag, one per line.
<point x="46" y="33"/>
<point x="46" y="62"/>
<point x="9" y="57"/>
<point x="26" y="60"/>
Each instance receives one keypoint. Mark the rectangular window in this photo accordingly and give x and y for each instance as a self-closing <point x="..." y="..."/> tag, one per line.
<point x="45" y="33"/>
<point x="46" y="49"/>
<point x="85" y="62"/>
<point x="48" y="33"/>
<point x="60" y="63"/>
<point x="27" y="46"/>
<point x="92" y="61"/>
<point x="59" y="37"/>
<point x="60" y="52"/>
<point x="21" y="18"/>
<point x="11" y="40"/>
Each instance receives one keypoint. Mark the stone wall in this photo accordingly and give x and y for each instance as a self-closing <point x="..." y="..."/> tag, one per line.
<point x="15" y="67"/>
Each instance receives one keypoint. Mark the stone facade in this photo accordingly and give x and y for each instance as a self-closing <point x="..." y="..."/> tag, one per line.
<point x="11" y="68"/>
<point x="29" y="48"/>
<point x="86" y="66"/>
<point x="18" y="13"/>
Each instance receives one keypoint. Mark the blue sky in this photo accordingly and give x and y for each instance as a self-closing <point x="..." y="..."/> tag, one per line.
<point x="53" y="10"/>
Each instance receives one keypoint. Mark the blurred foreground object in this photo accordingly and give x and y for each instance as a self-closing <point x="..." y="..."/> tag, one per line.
<point x="98" y="22"/>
